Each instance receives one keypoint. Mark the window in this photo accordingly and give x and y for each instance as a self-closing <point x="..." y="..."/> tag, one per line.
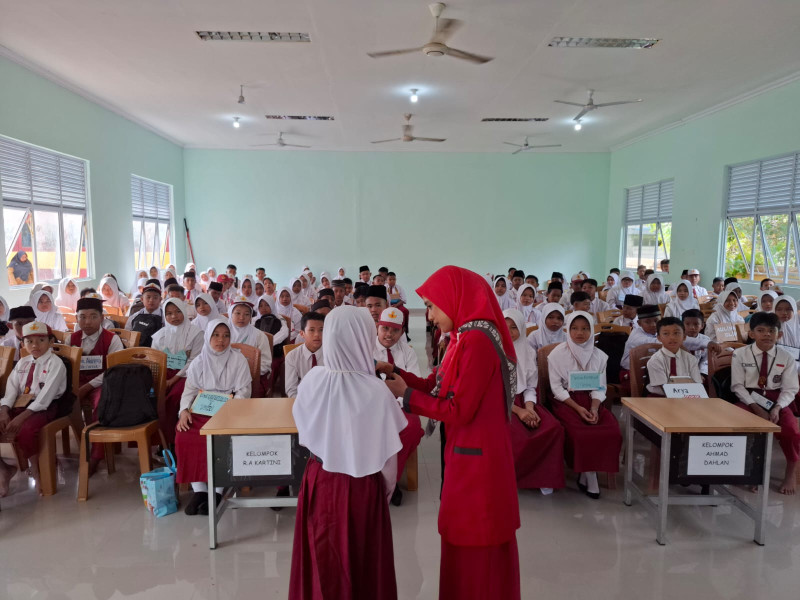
<point x="44" y="197"/>
<point x="648" y="224"/>
<point x="761" y="229"/>
<point x="152" y="216"/>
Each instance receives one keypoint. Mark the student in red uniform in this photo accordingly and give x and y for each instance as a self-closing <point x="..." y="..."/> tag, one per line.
<point x="350" y="423"/>
<point x="471" y="393"/>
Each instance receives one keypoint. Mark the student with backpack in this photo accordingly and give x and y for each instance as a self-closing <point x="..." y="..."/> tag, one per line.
<point x="151" y="318"/>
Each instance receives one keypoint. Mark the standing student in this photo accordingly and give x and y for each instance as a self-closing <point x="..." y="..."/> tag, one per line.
<point x="206" y="310"/>
<point x="471" y="394"/>
<point x="630" y="305"/>
<point x="150" y="319"/>
<point x="243" y="332"/>
<point x="46" y="311"/>
<point x="670" y="360"/>
<point x="350" y="423"/>
<point x="537" y="438"/>
<point x="109" y="289"/>
<point x="682" y="301"/>
<point x="725" y="312"/>
<point x="504" y="298"/>
<point x="219" y="370"/>
<point x="30" y="399"/>
<point x="654" y="291"/>
<point x="182" y="343"/>
<point x="764" y="378"/>
<point x="593" y="438"/>
<point x="309" y="355"/>
<point x="68" y="294"/>
<point x="551" y="327"/>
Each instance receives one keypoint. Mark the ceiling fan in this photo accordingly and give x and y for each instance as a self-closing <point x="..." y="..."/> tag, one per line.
<point x="407" y="137"/>
<point x="525" y="147"/>
<point x="281" y="143"/>
<point x="443" y="29"/>
<point x="590" y="105"/>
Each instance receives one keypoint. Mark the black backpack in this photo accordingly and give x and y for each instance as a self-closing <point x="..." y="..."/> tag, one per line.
<point x="147" y="324"/>
<point x="127" y="397"/>
<point x="66" y="401"/>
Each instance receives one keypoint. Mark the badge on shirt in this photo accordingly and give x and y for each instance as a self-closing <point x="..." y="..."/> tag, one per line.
<point x="208" y="403"/>
<point x="584" y="381"/>
<point x="92" y="363"/>
<point x="763" y="402"/>
<point x="777" y="378"/>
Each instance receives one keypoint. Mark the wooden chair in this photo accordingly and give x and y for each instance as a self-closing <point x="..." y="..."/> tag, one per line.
<point x="530" y="329"/>
<point x="607" y="316"/>
<point x="288" y="321"/>
<point x="639" y="358"/>
<point x="71" y="320"/>
<point x="289" y="347"/>
<point x="142" y="434"/>
<point x="112" y="310"/>
<point x="6" y="365"/>
<point x="743" y="331"/>
<point x="61" y="336"/>
<point x="120" y="320"/>
<point x="65" y="310"/>
<point x="269" y="337"/>
<point x="745" y="313"/>
<point x="129" y="339"/>
<point x="253" y="356"/>
<point x="611" y="328"/>
<point x="717" y="362"/>
<point x="707" y="308"/>
<point x="303" y="309"/>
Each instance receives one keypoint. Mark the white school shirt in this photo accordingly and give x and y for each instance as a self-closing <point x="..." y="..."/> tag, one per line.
<point x="49" y="381"/>
<point x="561" y="362"/>
<point x="192" y="352"/>
<point x="714" y="319"/>
<point x="598" y="305"/>
<point x="193" y="387"/>
<point x="88" y="342"/>
<point x="397" y="290"/>
<point x="566" y="297"/>
<point x="686" y="365"/>
<point x="531" y="379"/>
<point x="158" y="311"/>
<point x="699" y="291"/>
<point x="699" y="347"/>
<point x="404" y="356"/>
<point x="782" y="374"/>
<point x="638" y="337"/>
<point x="620" y="320"/>
<point x="260" y="341"/>
<point x="297" y="364"/>
<point x="222" y="307"/>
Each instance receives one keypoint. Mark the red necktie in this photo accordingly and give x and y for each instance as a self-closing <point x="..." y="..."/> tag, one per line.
<point x="673" y="367"/>
<point x="188" y="295"/>
<point x="762" y="374"/>
<point x="694" y="291"/>
<point x="29" y="380"/>
<point x="389" y="357"/>
<point x="313" y="360"/>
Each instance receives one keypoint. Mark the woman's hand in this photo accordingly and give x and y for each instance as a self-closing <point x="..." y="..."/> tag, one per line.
<point x="185" y="420"/>
<point x="396" y="385"/>
<point x="384" y="367"/>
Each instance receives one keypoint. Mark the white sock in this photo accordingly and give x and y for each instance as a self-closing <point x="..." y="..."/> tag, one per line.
<point x="591" y="483"/>
<point x="219" y="490"/>
<point x="582" y="479"/>
<point x="199" y="486"/>
<point x="546" y="491"/>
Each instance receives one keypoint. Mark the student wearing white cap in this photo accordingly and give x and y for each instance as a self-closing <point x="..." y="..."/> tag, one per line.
<point x="576" y="285"/>
<point x="694" y="279"/>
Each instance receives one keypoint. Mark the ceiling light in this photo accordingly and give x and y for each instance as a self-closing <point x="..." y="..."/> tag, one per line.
<point x="236" y="123"/>
<point x="578" y="126"/>
<point x="252" y="36"/>
<point x="300" y="117"/>
<point x="513" y="119"/>
<point x="414" y="96"/>
<point x="241" y="94"/>
<point x="589" y="42"/>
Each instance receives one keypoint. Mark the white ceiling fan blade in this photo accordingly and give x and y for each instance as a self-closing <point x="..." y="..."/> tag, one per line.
<point x="382" y="141"/>
<point x="585" y="110"/>
<point x="447" y="27"/>
<point x="393" y="52"/>
<point x="295" y="146"/>
<point x="476" y="58"/>
<point x="616" y="103"/>
<point x="517" y="145"/>
<point x="546" y="146"/>
<point x="257" y="145"/>
<point x="520" y="149"/>
<point x="570" y="103"/>
<point x="426" y="139"/>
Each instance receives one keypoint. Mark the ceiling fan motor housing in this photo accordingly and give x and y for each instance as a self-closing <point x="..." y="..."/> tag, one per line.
<point x="434" y="49"/>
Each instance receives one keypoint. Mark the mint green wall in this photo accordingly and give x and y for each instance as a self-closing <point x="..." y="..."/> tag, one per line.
<point x="695" y="154"/>
<point x="37" y="111"/>
<point x="412" y="212"/>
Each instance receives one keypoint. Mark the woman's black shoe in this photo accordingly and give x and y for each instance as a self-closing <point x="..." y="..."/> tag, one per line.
<point x="593" y="495"/>
<point x="582" y="486"/>
<point x="197" y="499"/>
<point x="203" y="508"/>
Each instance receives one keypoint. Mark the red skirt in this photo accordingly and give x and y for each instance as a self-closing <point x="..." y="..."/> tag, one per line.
<point x="538" y="453"/>
<point x="168" y="420"/>
<point x="589" y="447"/>
<point x="411" y="437"/>
<point x="342" y="538"/>
<point x="191" y="452"/>
<point x="789" y="435"/>
<point x="479" y="572"/>
<point x="27" y="438"/>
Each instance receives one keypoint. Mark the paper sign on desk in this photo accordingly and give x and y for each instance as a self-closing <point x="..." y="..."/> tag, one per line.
<point x="684" y="390"/>
<point x="92" y="363"/>
<point x="716" y="455"/>
<point x="726" y="332"/>
<point x="261" y="455"/>
<point x="584" y="380"/>
<point x="208" y="403"/>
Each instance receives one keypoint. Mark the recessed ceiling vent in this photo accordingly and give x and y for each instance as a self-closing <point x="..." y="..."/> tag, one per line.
<point x="513" y="119"/>
<point x="300" y="117"/>
<point x="588" y="42"/>
<point x="252" y="36"/>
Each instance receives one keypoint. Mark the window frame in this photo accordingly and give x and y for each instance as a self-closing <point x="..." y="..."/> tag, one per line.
<point x="661" y="218"/>
<point x="156" y="220"/>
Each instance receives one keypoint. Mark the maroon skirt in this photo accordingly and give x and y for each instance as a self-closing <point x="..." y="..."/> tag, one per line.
<point x="191" y="452"/>
<point x="538" y="453"/>
<point x="589" y="447"/>
<point x="168" y="419"/>
<point x="479" y="572"/>
<point x="411" y="437"/>
<point x="342" y="538"/>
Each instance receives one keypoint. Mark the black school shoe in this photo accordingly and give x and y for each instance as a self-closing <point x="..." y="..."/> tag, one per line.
<point x="283" y="492"/>
<point x="593" y="495"/>
<point x="397" y="496"/>
<point x="203" y="508"/>
<point x="581" y="486"/>
<point x="197" y="499"/>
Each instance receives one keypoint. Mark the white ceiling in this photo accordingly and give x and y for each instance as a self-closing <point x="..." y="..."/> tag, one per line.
<point x="143" y="58"/>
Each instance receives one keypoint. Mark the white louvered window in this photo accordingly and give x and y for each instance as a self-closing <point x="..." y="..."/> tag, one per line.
<point x="648" y="224"/>
<point x="761" y="237"/>
<point x="152" y="222"/>
<point x="45" y="202"/>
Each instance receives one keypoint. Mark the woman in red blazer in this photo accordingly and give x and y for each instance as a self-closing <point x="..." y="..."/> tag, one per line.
<point x="471" y="393"/>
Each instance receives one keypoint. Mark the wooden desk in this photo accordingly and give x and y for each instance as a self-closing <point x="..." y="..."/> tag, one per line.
<point x="241" y="417"/>
<point x="674" y="421"/>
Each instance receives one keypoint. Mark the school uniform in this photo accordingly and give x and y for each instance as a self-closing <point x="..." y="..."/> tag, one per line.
<point x="772" y="374"/>
<point x="297" y="364"/>
<point x="699" y="291"/>
<point x="12" y="341"/>
<point x="663" y="365"/>
<point x="396" y="289"/>
<point x="543" y="336"/>
<point x="254" y="337"/>
<point x="598" y="305"/>
<point x="53" y="317"/>
<point x="699" y="347"/>
<point x="625" y="321"/>
<point x="721" y="316"/>
<point x="145" y="320"/>
<point x="637" y="337"/>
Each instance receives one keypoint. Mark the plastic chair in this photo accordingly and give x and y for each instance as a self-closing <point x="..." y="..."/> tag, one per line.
<point x="253" y="356"/>
<point x="639" y="358"/>
<point x="120" y="320"/>
<point x="289" y="347"/>
<point x="611" y="328"/>
<point x="130" y="339"/>
<point x="530" y="329"/>
<point x="606" y="316"/>
<point x="716" y="363"/>
<point x="142" y="434"/>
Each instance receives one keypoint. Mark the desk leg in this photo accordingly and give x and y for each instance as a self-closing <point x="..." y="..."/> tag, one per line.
<point x="628" y="456"/>
<point x="763" y="493"/>
<point x="663" y="488"/>
<point x="212" y="496"/>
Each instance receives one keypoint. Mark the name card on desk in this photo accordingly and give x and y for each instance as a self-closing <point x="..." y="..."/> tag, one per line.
<point x="208" y="403"/>
<point x="684" y="390"/>
<point x="584" y="381"/>
<point x="726" y="332"/>
<point x="716" y="455"/>
<point x="258" y="455"/>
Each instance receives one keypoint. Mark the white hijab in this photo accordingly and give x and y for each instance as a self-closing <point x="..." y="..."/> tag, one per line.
<point x="176" y="337"/>
<point x="6" y="309"/>
<point x="200" y="321"/>
<point x="224" y="371"/>
<point x="299" y="297"/>
<point x="341" y="275"/>
<point x="52" y="317"/>
<point x="766" y="293"/>
<point x="619" y="291"/>
<point x="67" y="300"/>
<point x="115" y="298"/>
<point x="525" y="310"/>
<point x="252" y="298"/>
<point x="613" y="276"/>
<point x="660" y="297"/>
<point x="270" y="302"/>
<point x="724" y="315"/>
<point x="526" y="358"/>
<point x="247" y="334"/>
<point x="581" y="352"/>
<point x="284" y="311"/>
<point x="506" y="301"/>
<point x="790" y="329"/>
<point x="678" y="306"/>
<point x="344" y="414"/>
<point x="136" y="278"/>
<point x="324" y="275"/>
<point x="543" y="336"/>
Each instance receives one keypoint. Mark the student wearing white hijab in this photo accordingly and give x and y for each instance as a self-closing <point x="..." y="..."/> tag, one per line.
<point x="502" y="294"/>
<point x="681" y="301"/>
<point x="786" y="309"/>
<point x="297" y="291"/>
<point x="243" y="332"/>
<point x="270" y="321"/>
<point x="351" y="423"/>
<point x="725" y="311"/>
<point x="616" y="295"/>
<point x="285" y="308"/>
<point x="138" y="275"/>
<point x="657" y="296"/>
<point x="4" y="311"/>
<point x="734" y="286"/>
<point x="766" y="301"/>
<point x="525" y="303"/>
<point x="218" y="369"/>
<point x="324" y="280"/>
<point x="109" y="289"/>
<point x="68" y="294"/>
<point x="551" y="327"/>
<point x="537" y="438"/>
<point x="247" y="289"/>
<point x="341" y="273"/>
<point x="206" y="310"/>
<point x="46" y="311"/>
<point x="611" y="284"/>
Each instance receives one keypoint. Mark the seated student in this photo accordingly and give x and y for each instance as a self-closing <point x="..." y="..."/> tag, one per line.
<point x="616" y="295"/>
<point x="215" y="291"/>
<point x="725" y="312"/>
<point x="390" y="347"/>
<point x="576" y="285"/>
<point x="297" y="292"/>
<point x="229" y="288"/>
<point x="670" y="360"/>
<point x="379" y="279"/>
<point x="302" y="359"/>
<point x="269" y="321"/>
<point x="285" y="308"/>
<point x="360" y="295"/>
<point x="182" y="343"/>
<point x="169" y="281"/>
<point x="537" y="438"/>
<point x="376" y="301"/>
<point x="18" y="317"/>
<point x="611" y="282"/>
<point x="322" y="307"/>
<point x="175" y="290"/>
<point x="786" y="309"/>
<point x="230" y="272"/>
<point x="589" y="286"/>
<point x="328" y="295"/>
<point x="30" y="399"/>
<point x="88" y="292"/>
<point x="693" y="277"/>
<point x="517" y="279"/>
<point x="697" y="343"/>
<point x="247" y="290"/>
<point x="551" y="327"/>
<point x="68" y="294"/>
<point x="111" y="295"/>
<point x="717" y="287"/>
<point x="339" y="292"/>
<point x="206" y="310"/>
<point x="654" y="292"/>
<point x="269" y="288"/>
<point x="593" y="438"/>
<point x="526" y="296"/>
<point x="348" y="291"/>
<point x="762" y="373"/>
<point x="581" y="301"/>
<point x="629" y="307"/>
<point x="647" y="317"/>
<point x="190" y="286"/>
<point x="243" y="332"/>
<point x="219" y="370"/>
<point x="553" y="296"/>
<point x="151" y="318"/>
<point x="259" y="288"/>
<point x="732" y="285"/>
<point x="46" y="311"/>
<point x="769" y="284"/>
<point x="501" y="293"/>
<point x="681" y="301"/>
<point x="203" y="282"/>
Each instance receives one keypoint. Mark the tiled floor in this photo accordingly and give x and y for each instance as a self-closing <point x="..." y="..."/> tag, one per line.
<point x="570" y="547"/>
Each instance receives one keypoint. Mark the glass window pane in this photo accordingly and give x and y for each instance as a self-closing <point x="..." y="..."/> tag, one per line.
<point x="792" y="265"/>
<point x="737" y="261"/>
<point x="776" y="229"/>
<point x="649" y="245"/>
<point x="664" y="242"/>
<point x="149" y="239"/>
<point x="632" y="247"/>
<point x="760" y="267"/>
<point x="17" y="225"/>
<point x="163" y="239"/>
<point x="48" y="245"/>
<point x="74" y="247"/>
<point x="12" y="221"/>
<point x="137" y="236"/>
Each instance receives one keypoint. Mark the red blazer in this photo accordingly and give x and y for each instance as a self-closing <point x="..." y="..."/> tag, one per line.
<point x="480" y="506"/>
